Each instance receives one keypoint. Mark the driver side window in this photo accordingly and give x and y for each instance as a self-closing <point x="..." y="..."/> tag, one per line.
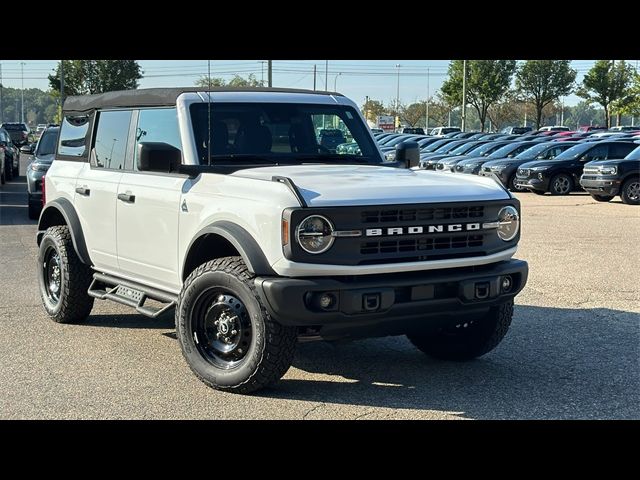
<point x="596" y="153"/>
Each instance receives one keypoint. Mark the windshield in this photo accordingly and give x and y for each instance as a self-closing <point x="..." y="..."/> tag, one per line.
<point x="450" y="146"/>
<point x="280" y="132"/>
<point x="396" y="141"/>
<point x="47" y="143"/>
<point x="435" y="145"/>
<point x="634" y="155"/>
<point x="465" y="147"/>
<point x="483" y="149"/>
<point x="574" y="152"/>
<point x="502" y="152"/>
<point x="533" y="152"/>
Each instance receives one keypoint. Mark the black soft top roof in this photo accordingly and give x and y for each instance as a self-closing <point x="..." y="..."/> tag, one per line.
<point x="157" y="97"/>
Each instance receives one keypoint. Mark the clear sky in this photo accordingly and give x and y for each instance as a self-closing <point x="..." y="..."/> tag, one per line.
<point x="354" y="78"/>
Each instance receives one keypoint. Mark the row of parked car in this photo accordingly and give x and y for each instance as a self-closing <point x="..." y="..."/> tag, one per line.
<point x="605" y="163"/>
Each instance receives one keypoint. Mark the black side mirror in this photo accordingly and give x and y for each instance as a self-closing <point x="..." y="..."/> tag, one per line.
<point x="158" y="157"/>
<point x="408" y="154"/>
<point x="27" y="149"/>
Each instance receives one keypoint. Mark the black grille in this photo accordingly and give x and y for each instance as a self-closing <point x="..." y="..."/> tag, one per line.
<point x="523" y="172"/>
<point x="421" y="214"/>
<point x="420" y="244"/>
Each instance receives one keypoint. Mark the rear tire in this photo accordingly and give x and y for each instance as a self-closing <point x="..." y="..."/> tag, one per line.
<point x="63" y="278"/>
<point x="602" y="198"/>
<point x="462" y="343"/>
<point x="227" y="336"/>
<point x="630" y="192"/>
<point x="561" y="184"/>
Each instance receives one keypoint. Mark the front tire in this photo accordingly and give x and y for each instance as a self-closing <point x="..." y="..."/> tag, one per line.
<point x="63" y="278"/>
<point x="466" y="341"/>
<point x="602" y="198"/>
<point x="630" y="192"/>
<point x="513" y="187"/>
<point x="561" y="184"/>
<point x="227" y="336"/>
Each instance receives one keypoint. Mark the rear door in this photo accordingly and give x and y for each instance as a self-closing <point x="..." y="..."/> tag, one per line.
<point x="148" y="207"/>
<point x="97" y="187"/>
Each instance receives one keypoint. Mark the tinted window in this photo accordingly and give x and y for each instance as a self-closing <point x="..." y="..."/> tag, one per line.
<point x="596" y="153"/>
<point x="47" y="143"/>
<point x="158" y="125"/>
<point x="620" y="150"/>
<point x="73" y="136"/>
<point x="111" y="139"/>
<point x="15" y="126"/>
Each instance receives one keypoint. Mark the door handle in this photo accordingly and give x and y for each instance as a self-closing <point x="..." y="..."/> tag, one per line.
<point x="83" y="191"/>
<point x="125" y="197"/>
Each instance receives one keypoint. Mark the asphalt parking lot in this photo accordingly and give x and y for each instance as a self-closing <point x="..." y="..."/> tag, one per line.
<point x="573" y="350"/>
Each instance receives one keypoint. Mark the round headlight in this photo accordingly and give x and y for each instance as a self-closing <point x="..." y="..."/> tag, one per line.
<point x="508" y="223"/>
<point x="314" y="234"/>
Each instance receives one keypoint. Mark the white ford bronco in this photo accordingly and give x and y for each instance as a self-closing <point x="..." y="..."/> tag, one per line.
<point x="228" y="206"/>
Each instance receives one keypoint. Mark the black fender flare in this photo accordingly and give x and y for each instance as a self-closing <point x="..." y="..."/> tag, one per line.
<point x="242" y="241"/>
<point x="68" y="212"/>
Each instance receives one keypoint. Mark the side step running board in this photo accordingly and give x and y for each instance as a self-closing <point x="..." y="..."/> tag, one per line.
<point x="132" y="294"/>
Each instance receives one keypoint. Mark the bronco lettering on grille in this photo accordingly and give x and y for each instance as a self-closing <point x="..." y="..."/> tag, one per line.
<point x="453" y="227"/>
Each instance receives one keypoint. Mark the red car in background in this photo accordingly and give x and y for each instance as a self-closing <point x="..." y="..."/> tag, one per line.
<point x="590" y="128"/>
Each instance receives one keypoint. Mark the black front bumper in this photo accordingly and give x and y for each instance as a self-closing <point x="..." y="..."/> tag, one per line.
<point x="604" y="185"/>
<point x="533" y="183"/>
<point x="391" y="303"/>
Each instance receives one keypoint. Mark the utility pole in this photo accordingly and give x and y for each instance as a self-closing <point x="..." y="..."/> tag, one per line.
<point x="428" y="92"/>
<point x="62" y="83"/>
<point x="262" y="62"/>
<point x="398" y="97"/>
<point x="366" y="108"/>
<point x="464" y="94"/>
<point x="22" y="92"/>
<point x="525" y="116"/>
<point x="561" y="112"/>
<point x="335" y="80"/>
<point x="270" y="72"/>
<point x="326" y="75"/>
<point x="314" y="77"/>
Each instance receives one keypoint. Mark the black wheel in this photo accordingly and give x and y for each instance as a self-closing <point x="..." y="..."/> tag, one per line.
<point x="34" y="209"/>
<point x="227" y="337"/>
<point x="561" y="184"/>
<point x="63" y="279"/>
<point x="513" y="187"/>
<point x="601" y="198"/>
<point x="630" y="192"/>
<point x="467" y="340"/>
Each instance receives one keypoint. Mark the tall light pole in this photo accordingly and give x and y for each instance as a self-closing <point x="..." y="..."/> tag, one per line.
<point x="335" y="80"/>
<point x="464" y="94"/>
<point x="270" y="73"/>
<point x="398" y="96"/>
<point x="561" y="112"/>
<point x="22" y="92"/>
<point x="428" y="92"/>
<point x="326" y="74"/>
<point x="314" y="77"/>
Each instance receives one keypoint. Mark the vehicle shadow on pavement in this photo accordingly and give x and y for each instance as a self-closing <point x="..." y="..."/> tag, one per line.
<point x="163" y="322"/>
<point x="13" y="203"/>
<point x="553" y="363"/>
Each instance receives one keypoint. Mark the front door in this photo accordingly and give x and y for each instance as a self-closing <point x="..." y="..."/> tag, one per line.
<point x="148" y="208"/>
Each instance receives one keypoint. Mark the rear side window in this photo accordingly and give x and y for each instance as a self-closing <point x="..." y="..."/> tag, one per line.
<point x="620" y="150"/>
<point x="73" y="136"/>
<point x="111" y="139"/>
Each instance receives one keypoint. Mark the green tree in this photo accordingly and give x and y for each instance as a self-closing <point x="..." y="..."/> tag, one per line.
<point x="414" y="114"/>
<point x="629" y="104"/>
<point x="96" y="76"/>
<point x="543" y="81"/>
<point x="236" y="81"/>
<point x="373" y="109"/>
<point x="487" y="81"/>
<point x="606" y="83"/>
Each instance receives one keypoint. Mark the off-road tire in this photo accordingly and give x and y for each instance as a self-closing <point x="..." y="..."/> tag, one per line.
<point x="460" y="343"/>
<point x="74" y="305"/>
<point x="272" y="347"/>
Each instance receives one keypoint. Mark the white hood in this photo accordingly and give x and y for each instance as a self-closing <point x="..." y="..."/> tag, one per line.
<point x="343" y="185"/>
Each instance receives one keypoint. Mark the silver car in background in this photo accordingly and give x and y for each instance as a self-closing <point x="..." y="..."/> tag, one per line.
<point x="42" y="157"/>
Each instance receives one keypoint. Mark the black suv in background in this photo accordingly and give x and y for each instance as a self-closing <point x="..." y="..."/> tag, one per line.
<point x="608" y="178"/>
<point x="19" y="132"/>
<point x="562" y="174"/>
<point x="413" y="130"/>
<point x="330" y="138"/>
<point x="516" y="130"/>
<point x="11" y="155"/>
<point x="505" y="168"/>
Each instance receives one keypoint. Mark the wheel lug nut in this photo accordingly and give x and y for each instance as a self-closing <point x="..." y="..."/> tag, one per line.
<point x="233" y="332"/>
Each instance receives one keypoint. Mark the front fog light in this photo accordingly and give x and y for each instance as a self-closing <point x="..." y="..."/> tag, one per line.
<point x="315" y="234"/>
<point x="506" y="283"/>
<point x="327" y="300"/>
<point x="508" y="223"/>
